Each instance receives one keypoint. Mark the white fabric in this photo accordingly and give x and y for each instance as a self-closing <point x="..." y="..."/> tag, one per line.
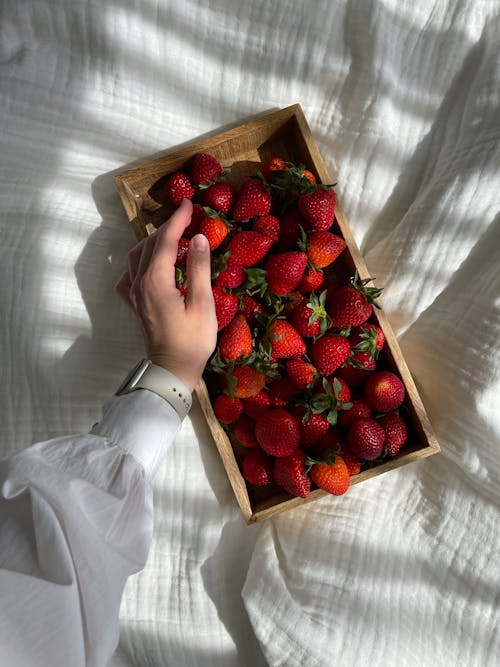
<point x="76" y="519"/>
<point x="403" y="100"/>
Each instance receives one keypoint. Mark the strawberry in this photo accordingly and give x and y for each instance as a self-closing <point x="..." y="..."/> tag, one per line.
<point x="182" y="251"/>
<point x="285" y="340"/>
<point x="358" y="410"/>
<point x="269" y="226"/>
<point x="329" y="352"/>
<point x="227" y="271"/>
<point x="351" y="305"/>
<point x="335" y="442"/>
<point x="366" y="439"/>
<point x="323" y="248"/>
<point x="331" y="475"/>
<point x="312" y="426"/>
<point x="367" y="338"/>
<point x="235" y="341"/>
<point x="257" y="468"/>
<point x="281" y="391"/>
<point x="254" y="406"/>
<point x="219" y="196"/>
<point x="358" y="369"/>
<point x="311" y="281"/>
<point x="285" y="271"/>
<point x="178" y="187"/>
<point x="384" y="391"/>
<point x="250" y="308"/>
<point x="291" y="224"/>
<point x="249" y="247"/>
<point x="244" y="431"/>
<point x="309" y="316"/>
<point x="271" y="166"/>
<point x="244" y="381"/>
<point x="194" y="225"/>
<point x="289" y="473"/>
<point x="204" y="168"/>
<point x="227" y="409"/>
<point x="215" y="229"/>
<point x="292" y="182"/>
<point x="396" y="432"/>
<point x="302" y="374"/>
<point x="335" y="396"/>
<point x="318" y="208"/>
<point x="252" y="200"/>
<point x="278" y="432"/>
<point x="226" y="306"/>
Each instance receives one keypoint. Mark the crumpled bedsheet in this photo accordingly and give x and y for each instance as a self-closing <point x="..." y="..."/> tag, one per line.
<point x="403" y="101"/>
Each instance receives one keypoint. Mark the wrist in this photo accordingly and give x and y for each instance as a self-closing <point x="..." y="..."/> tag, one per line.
<point x="190" y="377"/>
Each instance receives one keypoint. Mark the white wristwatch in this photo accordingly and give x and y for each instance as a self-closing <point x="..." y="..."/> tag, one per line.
<point x="147" y="375"/>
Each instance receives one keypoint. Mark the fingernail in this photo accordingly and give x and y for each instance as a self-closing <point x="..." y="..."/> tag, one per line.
<point x="200" y="242"/>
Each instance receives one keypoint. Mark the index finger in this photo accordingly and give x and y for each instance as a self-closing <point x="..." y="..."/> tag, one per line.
<point x="165" y="250"/>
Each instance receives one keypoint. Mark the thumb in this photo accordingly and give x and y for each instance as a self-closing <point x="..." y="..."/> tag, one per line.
<point x="199" y="294"/>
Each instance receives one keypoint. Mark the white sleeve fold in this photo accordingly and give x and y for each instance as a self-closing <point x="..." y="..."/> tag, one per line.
<point x="76" y="520"/>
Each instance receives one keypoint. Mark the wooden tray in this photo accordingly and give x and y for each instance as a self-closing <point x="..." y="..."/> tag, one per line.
<point x="283" y="133"/>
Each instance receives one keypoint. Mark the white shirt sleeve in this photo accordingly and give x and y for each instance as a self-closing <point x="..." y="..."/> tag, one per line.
<point x="76" y="519"/>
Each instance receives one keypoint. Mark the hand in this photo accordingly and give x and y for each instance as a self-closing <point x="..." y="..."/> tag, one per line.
<point x="180" y="332"/>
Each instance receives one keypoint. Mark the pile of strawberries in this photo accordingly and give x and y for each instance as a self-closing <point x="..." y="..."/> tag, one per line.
<point x="295" y="379"/>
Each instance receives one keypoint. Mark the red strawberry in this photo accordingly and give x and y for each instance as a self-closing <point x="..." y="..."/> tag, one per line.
<point x="285" y="271"/>
<point x="311" y="281"/>
<point x="249" y="247"/>
<point x="244" y="381"/>
<point x="318" y="208"/>
<point x="384" y="391"/>
<point x="329" y="353"/>
<point x="182" y="251"/>
<point x="256" y="405"/>
<point x="331" y="475"/>
<point x="312" y="428"/>
<point x="396" y="432"/>
<point x="235" y="341"/>
<point x="227" y="409"/>
<point x="291" y="222"/>
<point x="215" y="229"/>
<point x="278" y="432"/>
<point x="227" y="271"/>
<point x="192" y="228"/>
<point x="226" y="306"/>
<point x="285" y="340"/>
<point x="302" y="374"/>
<point x="269" y="226"/>
<point x="271" y="166"/>
<point x="366" y="439"/>
<point x="331" y="396"/>
<point x="178" y="187"/>
<point x="250" y="308"/>
<point x="358" y="369"/>
<point x="309" y="316"/>
<point x="290" y="474"/>
<point x="244" y="431"/>
<point x="335" y="442"/>
<point x="323" y="248"/>
<point x="257" y="468"/>
<point x="219" y="196"/>
<point x="358" y="410"/>
<point x="367" y="338"/>
<point x="204" y="168"/>
<point x="352" y="304"/>
<point x="280" y="392"/>
<point x="252" y="200"/>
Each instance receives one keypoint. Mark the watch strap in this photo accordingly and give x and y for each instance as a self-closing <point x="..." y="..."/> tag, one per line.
<point x="147" y="375"/>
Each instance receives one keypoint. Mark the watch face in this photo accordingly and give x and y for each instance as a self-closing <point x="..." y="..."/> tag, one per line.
<point x="133" y="377"/>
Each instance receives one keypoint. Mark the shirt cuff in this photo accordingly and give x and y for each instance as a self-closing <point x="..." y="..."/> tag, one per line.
<point x="142" y="424"/>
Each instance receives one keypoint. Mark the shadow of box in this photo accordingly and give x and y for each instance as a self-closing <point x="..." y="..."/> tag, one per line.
<point x="241" y="150"/>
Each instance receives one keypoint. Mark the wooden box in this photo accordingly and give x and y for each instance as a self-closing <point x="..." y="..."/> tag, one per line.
<point x="283" y="133"/>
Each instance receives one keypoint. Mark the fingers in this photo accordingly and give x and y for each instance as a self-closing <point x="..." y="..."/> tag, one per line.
<point x="199" y="294"/>
<point x="165" y="250"/>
